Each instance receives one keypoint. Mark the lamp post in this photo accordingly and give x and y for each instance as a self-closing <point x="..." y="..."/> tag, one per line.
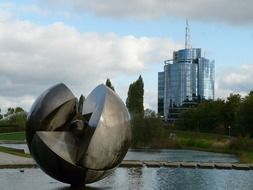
<point x="229" y="127"/>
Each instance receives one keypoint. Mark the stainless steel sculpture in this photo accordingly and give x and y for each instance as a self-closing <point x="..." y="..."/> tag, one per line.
<point x="78" y="148"/>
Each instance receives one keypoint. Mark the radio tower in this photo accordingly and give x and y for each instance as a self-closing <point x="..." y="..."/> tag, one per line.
<point x="187" y="36"/>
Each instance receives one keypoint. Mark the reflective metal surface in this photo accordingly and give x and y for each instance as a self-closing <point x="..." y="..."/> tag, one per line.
<point x="78" y="148"/>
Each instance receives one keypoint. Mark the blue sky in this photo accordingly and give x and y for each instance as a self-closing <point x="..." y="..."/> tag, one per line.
<point x="81" y="43"/>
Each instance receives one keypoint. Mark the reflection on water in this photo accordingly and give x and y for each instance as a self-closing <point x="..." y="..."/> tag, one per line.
<point x="143" y="178"/>
<point x="135" y="181"/>
<point x="135" y="178"/>
<point x="164" y="154"/>
<point x="179" y="155"/>
<point x="80" y="188"/>
<point x="179" y="178"/>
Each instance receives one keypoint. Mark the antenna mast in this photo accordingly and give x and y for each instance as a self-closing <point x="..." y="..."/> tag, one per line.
<point x="187" y="36"/>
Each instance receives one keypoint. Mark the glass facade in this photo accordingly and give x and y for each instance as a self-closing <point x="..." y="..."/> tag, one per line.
<point x="185" y="78"/>
<point x="160" y="93"/>
<point x="206" y="78"/>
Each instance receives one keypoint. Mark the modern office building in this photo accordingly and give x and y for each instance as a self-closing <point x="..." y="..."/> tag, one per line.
<point x="187" y="79"/>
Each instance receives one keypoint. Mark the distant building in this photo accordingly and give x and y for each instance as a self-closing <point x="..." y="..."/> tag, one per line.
<point x="161" y="88"/>
<point x="186" y="80"/>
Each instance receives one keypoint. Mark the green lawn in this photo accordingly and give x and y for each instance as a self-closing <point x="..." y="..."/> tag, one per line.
<point x="215" y="143"/>
<point x="14" y="152"/>
<point x="18" y="136"/>
<point x="15" y="136"/>
<point x="198" y="135"/>
<point x="184" y="139"/>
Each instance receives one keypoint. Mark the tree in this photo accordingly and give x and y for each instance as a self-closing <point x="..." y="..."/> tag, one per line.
<point x="244" y="116"/>
<point x="15" y="118"/>
<point x="109" y="84"/>
<point x="231" y="112"/>
<point x="18" y="109"/>
<point x="233" y="116"/>
<point x="188" y="120"/>
<point x="19" y="119"/>
<point x="1" y="116"/>
<point x="148" y="113"/>
<point x="208" y="116"/>
<point x="10" y="111"/>
<point x="80" y="103"/>
<point x="146" y="131"/>
<point x="134" y="101"/>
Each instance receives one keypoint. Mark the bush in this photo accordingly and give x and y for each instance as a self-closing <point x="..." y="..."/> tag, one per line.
<point x="242" y="143"/>
<point x="199" y="143"/>
<point x="146" y="131"/>
<point x="9" y="128"/>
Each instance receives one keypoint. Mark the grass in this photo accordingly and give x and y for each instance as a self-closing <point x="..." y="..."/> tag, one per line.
<point x="200" y="143"/>
<point x="14" y="152"/>
<point x="201" y="140"/>
<point x="217" y="143"/>
<point x="198" y="135"/>
<point x="15" y="136"/>
<point x="184" y="139"/>
<point x="246" y="157"/>
<point x="243" y="147"/>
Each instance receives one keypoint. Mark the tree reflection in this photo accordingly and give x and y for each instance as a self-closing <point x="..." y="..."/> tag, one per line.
<point x="135" y="180"/>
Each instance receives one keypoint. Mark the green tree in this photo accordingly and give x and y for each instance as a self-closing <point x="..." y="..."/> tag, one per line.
<point x="19" y="119"/>
<point x="154" y="129"/>
<point x="231" y="112"/>
<point x="188" y="120"/>
<point x="146" y="131"/>
<point x="1" y="116"/>
<point x="109" y="84"/>
<point x="18" y="109"/>
<point x="244" y="116"/>
<point x="134" y="100"/>
<point x="80" y="103"/>
<point x="15" y="119"/>
<point x="208" y="116"/>
<point x="10" y="111"/>
<point x="148" y="113"/>
<point x="233" y="115"/>
<point x="137" y="131"/>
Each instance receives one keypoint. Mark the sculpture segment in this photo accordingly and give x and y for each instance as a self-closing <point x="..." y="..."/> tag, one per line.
<point x="78" y="148"/>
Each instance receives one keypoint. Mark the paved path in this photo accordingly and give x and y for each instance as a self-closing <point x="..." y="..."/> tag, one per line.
<point x="12" y="161"/>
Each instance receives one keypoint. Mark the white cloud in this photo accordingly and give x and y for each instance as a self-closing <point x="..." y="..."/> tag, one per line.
<point x="20" y="101"/>
<point x="235" y="80"/>
<point x="229" y="11"/>
<point x="150" y="99"/>
<point x="33" y="57"/>
<point x="26" y="9"/>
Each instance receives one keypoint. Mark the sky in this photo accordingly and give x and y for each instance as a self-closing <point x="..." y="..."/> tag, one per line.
<point x="82" y="43"/>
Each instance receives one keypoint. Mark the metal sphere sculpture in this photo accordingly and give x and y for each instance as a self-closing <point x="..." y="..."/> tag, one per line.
<point x="78" y="147"/>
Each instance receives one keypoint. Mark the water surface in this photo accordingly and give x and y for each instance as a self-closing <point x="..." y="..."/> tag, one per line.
<point x="180" y="155"/>
<point x="136" y="178"/>
<point x="164" y="154"/>
<point x="144" y="178"/>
